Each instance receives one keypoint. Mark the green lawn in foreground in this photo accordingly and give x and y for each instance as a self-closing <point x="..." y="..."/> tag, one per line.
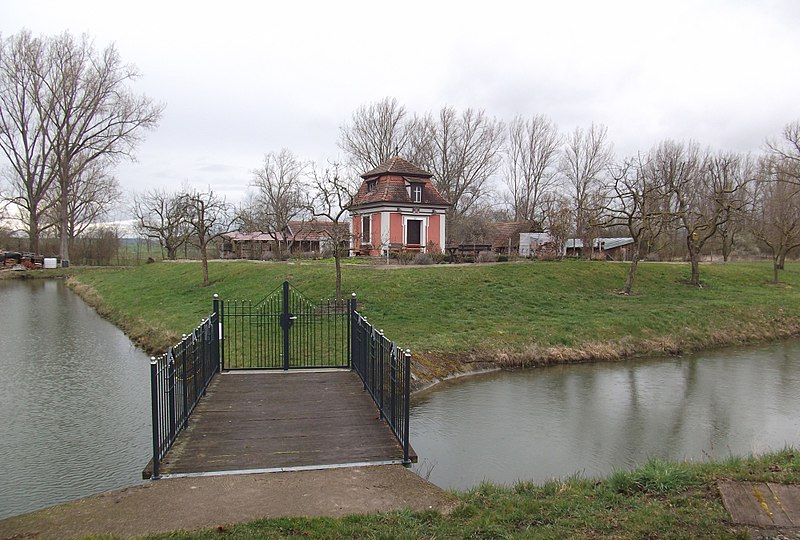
<point x="658" y="500"/>
<point x="504" y="306"/>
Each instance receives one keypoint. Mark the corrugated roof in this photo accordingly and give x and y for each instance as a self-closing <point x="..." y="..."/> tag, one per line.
<point x="606" y="243"/>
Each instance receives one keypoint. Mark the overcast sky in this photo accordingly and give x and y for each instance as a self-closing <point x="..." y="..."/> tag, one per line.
<point x="240" y="79"/>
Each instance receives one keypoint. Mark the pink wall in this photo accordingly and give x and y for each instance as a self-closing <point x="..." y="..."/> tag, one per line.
<point x="434" y="230"/>
<point x="396" y="228"/>
<point x="356" y="231"/>
<point x="376" y="230"/>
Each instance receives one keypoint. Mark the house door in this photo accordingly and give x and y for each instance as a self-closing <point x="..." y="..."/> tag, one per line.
<point x="414" y="232"/>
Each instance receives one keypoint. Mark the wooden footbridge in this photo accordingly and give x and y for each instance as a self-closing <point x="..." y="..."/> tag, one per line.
<point x="281" y="384"/>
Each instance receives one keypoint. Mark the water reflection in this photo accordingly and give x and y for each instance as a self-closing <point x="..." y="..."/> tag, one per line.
<point x="592" y="419"/>
<point x="74" y="400"/>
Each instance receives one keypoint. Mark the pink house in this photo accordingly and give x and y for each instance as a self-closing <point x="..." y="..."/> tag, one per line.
<point x="397" y="207"/>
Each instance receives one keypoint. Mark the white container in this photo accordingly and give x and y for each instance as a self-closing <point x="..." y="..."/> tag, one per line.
<point x="50" y="263"/>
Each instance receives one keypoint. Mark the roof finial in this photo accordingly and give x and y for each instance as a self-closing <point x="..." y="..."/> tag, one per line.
<point x="396" y="151"/>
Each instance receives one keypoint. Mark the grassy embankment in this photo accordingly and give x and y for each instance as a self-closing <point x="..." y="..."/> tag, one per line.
<point x="514" y="314"/>
<point x="659" y="500"/>
<point x="454" y="318"/>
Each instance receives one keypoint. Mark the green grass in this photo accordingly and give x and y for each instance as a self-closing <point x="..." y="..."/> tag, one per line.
<point x="659" y="500"/>
<point x="511" y="307"/>
<point x="487" y="308"/>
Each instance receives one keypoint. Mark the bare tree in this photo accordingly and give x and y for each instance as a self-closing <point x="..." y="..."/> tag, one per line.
<point x="464" y="155"/>
<point x="209" y="217"/>
<point x="586" y="155"/>
<point x="163" y="216"/>
<point x="533" y="146"/>
<point x="559" y="219"/>
<point x="280" y="192"/>
<point x="25" y="110"/>
<point x="375" y="133"/>
<point x="786" y="150"/>
<point x="333" y="196"/>
<point x="709" y="188"/>
<point x="93" y="193"/>
<point x="774" y="216"/>
<point x="95" y="117"/>
<point x="638" y="196"/>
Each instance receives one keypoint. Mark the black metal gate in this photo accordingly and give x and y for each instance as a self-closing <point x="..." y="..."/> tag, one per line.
<point x="284" y="331"/>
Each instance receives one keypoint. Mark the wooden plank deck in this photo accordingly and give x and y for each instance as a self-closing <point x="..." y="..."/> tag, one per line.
<point x="273" y="420"/>
<point x="762" y="504"/>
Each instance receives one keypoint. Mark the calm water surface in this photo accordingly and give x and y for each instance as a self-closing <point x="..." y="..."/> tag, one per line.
<point x="592" y="419"/>
<point x="74" y="399"/>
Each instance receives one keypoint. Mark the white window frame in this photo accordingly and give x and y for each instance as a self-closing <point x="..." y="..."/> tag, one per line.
<point x="423" y="232"/>
<point x="416" y="193"/>
<point x="366" y="231"/>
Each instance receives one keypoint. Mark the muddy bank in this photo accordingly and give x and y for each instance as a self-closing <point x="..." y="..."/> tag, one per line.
<point x="430" y="368"/>
<point x="147" y="335"/>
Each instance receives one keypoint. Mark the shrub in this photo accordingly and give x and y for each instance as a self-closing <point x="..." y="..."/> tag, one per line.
<point x="422" y="258"/>
<point x="487" y="256"/>
<point x="656" y="476"/>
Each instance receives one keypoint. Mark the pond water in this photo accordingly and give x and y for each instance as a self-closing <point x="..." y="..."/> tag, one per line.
<point x="592" y="419"/>
<point x="75" y="418"/>
<point x="74" y="396"/>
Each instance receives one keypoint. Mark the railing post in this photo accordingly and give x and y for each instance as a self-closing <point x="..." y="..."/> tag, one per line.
<point x="380" y="354"/>
<point x="351" y="330"/>
<point x="221" y="335"/>
<point x="372" y="361"/>
<point x="193" y="355"/>
<point x="215" y="331"/>
<point x="286" y="325"/>
<point x="184" y="381"/>
<point x="171" y="393"/>
<point x="200" y="331"/>
<point x="154" y="405"/>
<point x="406" y="405"/>
<point x="394" y="362"/>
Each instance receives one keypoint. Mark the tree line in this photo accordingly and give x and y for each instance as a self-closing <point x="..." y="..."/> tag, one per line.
<point x="67" y="116"/>
<point x="573" y="186"/>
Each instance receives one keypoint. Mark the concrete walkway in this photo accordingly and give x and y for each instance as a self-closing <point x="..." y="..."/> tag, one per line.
<point x="197" y="503"/>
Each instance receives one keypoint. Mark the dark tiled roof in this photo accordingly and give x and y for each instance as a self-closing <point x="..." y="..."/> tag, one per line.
<point x="390" y="179"/>
<point x="391" y="188"/>
<point x="503" y="231"/>
<point x="316" y="229"/>
<point x="397" y="165"/>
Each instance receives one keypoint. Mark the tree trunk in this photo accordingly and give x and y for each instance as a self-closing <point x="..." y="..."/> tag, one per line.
<point x="631" y="273"/>
<point x="337" y="261"/>
<point x="63" y="215"/>
<point x="694" y="259"/>
<point x="782" y="260"/>
<point x="204" y="259"/>
<point x="775" y="269"/>
<point x="33" y="233"/>
<point x="63" y="250"/>
<point x="172" y="252"/>
<point x="727" y="247"/>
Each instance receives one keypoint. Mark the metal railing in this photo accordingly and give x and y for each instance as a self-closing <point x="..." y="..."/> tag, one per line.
<point x="178" y="379"/>
<point x="284" y="331"/>
<point x="385" y="370"/>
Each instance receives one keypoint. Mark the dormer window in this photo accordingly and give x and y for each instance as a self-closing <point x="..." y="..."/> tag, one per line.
<point x="416" y="193"/>
<point x="372" y="185"/>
